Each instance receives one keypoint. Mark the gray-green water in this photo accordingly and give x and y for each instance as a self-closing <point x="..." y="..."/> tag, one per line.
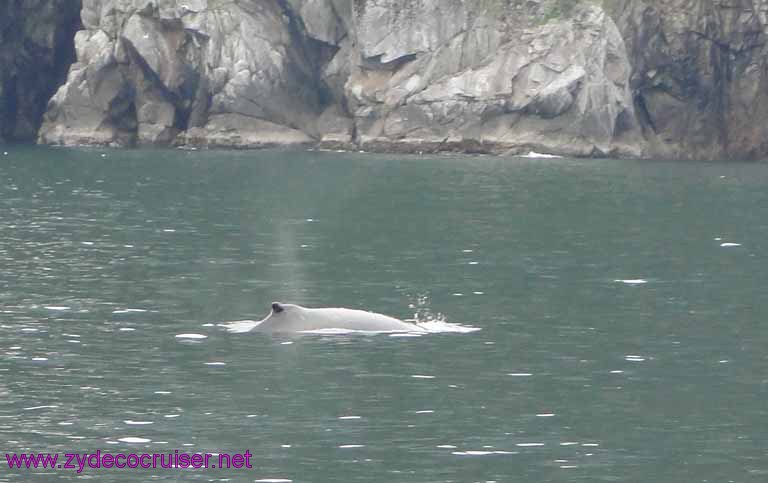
<point x="575" y="376"/>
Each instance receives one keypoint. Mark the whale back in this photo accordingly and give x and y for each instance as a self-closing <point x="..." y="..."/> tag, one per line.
<point x="295" y="318"/>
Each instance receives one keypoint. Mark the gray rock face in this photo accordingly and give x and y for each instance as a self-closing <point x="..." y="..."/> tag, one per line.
<point x="218" y="72"/>
<point x="36" y="49"/>
<point x="699" y="71"/>
<point x="381" y="74"/>
<point x="678" y="78"/>
<point x="495" y="75"/>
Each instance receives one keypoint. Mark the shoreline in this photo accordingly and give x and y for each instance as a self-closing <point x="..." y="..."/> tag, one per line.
<point x="409" y="148"/>
<point x="381" y="146"/>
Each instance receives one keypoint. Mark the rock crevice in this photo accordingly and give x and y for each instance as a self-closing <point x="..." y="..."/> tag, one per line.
<point x="37" y="48"/>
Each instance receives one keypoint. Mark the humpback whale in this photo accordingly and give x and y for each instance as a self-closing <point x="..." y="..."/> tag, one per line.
<point x="295" y="318"/>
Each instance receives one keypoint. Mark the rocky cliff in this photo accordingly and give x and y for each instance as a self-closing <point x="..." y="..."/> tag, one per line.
<point x="197" y="72"/>
<point x="677" y="78"/>
<point x="36" y="50"/>
<point x="490" y="76"/>
<point x="699" y="75"/>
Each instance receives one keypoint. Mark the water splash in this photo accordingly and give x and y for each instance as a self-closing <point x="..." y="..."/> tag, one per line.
<point x="434" y="322"/>
<point x="423" y="312"/>
<point x="535" y="155"/>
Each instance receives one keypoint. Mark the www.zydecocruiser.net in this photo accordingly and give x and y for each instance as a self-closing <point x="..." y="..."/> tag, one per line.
<point x="99" y="460"/>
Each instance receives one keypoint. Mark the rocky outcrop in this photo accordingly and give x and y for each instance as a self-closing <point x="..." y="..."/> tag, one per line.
<point x="699" y="75"/>
<point x="206" y="72"/>
<point x="676" y="78"/>
<point x="491" y="76"/>
<point x="36" y="50"/>
<point x="377" y="74"/>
